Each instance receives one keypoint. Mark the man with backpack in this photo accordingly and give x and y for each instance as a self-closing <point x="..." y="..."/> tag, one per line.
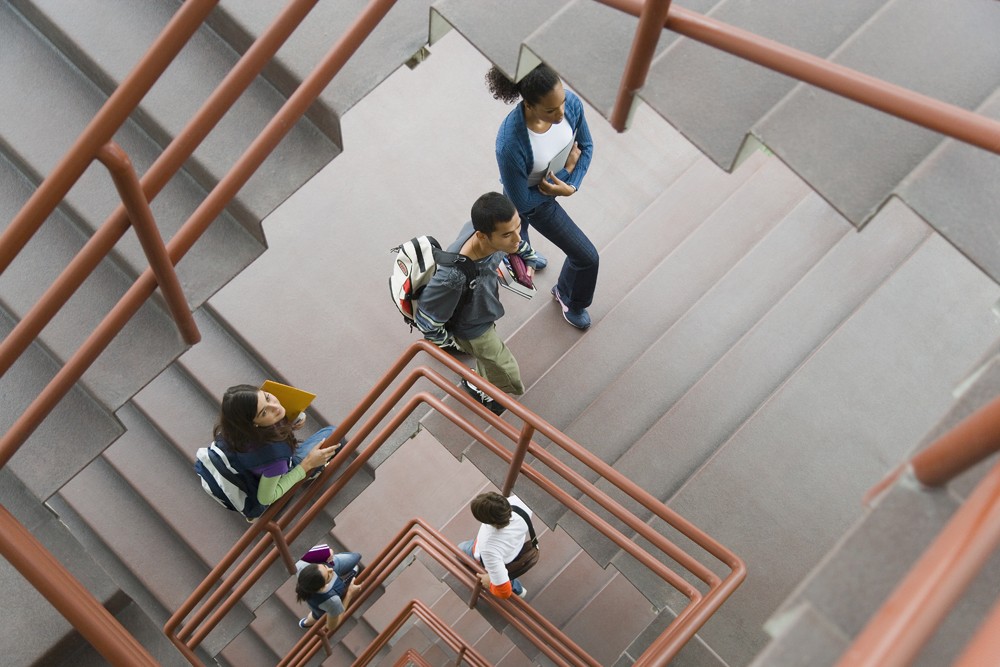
<point x="456" y="310"/>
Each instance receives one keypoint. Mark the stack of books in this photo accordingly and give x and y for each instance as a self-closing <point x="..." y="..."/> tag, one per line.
<point x="508" y="279"/>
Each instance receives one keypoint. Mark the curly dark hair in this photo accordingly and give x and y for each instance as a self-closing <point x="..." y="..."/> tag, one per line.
<point x="535" y="85"/>
<point x="236" y="427"/>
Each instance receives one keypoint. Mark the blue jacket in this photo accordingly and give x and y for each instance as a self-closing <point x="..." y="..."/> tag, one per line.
<point x="514" y="157"/>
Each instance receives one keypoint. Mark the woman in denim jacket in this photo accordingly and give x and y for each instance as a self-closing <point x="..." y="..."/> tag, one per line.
<point x="546" y="120"/>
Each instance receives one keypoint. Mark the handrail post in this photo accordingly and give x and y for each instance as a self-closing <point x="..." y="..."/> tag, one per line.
<point x="112" y="156"/>
<point x="184" y="23"/>
<point x="640" y="57"/>
<point x="69" y="596"/>
<point x="973" y="440"/>
<point x="325" y="641"/>
<point x="477" y="589"/>
<point x="527" y="431"/>
<point x="282" y="545"/>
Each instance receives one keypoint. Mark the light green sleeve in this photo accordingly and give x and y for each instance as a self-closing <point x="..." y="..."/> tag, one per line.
<point x="272" y="488"/>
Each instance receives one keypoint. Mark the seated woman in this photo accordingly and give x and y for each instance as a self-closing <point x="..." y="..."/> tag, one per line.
<point x="325" y="582"/>
<point x="252" y="425"/>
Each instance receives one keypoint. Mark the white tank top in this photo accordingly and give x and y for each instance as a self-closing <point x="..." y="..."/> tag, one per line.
<point x="546" y="146"/>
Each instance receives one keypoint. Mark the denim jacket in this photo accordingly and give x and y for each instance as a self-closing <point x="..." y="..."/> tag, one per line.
<point x="514" y="157"/>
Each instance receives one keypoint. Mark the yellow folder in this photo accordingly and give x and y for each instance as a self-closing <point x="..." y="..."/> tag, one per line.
<point x="293" y="399"/>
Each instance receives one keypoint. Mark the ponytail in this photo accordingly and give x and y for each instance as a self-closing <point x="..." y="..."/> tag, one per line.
<point x="536" y="84"/>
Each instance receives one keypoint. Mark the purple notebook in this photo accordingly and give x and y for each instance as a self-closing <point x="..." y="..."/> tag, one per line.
<point x="321" y="553"/>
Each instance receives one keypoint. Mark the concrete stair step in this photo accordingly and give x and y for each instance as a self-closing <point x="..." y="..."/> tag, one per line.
<point x="497" y="29"/>
<point x="952" y="190"/>
<point x="859" y="574"/>
<point x="694" y="654"/>
<point x="765" y="357"/>
<point x="607" y="33"/>
<point x="108" y="50"/>
<point x="155" y="469"/>
<point x="962" y="38"/>
<point x="38" y="634"/>
<point x="761" y="361"/>
<point x="248" y="649"/>
<point x="223" y="359"/>
<point x="398" y="37"/>
<point x="142" y="628"/>
<point x="127" y="526"/>
<point x="668" y="222"/>
<point x="37" y="139"/>
<point x="413" y="636"/>
<point x="680" y="357"/>
<point x="821" y="439"/>
<point x="41" y="464"/>
<point x="184" y="417"/>
<point x="354" y="643"/>
<point x="604" y="206"/>
<point x="689" y="268"/>
<point x="739" y="93"/>
<point x="572" y="591"/>
<point x="515" y="658"/>
<point x="807" y="639"/>
<point x="40" y="263"/>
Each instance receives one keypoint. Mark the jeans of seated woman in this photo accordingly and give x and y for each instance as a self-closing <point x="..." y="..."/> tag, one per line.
<point x="303" y="448"/>
<point x="345" y="562"/>
<point x="466" y="546"/>
<point x="578" y="277"/>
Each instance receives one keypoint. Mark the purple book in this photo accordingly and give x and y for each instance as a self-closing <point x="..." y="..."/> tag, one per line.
<point x="321" y="553"/>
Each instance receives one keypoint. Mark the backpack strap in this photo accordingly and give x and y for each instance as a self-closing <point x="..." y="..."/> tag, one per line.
<point x="466" y="266"/>
<point x="527" y="519"/>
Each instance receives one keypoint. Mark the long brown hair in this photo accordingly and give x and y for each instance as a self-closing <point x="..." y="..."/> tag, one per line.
<point x="236" y="427"/>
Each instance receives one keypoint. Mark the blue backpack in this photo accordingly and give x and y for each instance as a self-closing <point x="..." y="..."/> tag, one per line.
<point x="226" y="475"/>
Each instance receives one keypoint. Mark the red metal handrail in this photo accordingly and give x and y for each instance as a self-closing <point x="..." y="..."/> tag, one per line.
<point x="70" y="598"/>
<point x="191" y="231"/>
<point x="947" y="119"/>
<point x="412" y="656"/>
<point x="985" y="646"/>
<point x="938" y="116"/>
<point x="309" y="505"/>
<point x="154" y="180"/>
<point x="93" y="143"/>
<point x="908" y="618"/>
<point x="129" y="189"/>
<point x="418" y="534"/>
<point x="911" y="614"/>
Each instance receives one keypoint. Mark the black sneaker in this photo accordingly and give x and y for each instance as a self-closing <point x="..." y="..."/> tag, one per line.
<point x="476" y="393"/>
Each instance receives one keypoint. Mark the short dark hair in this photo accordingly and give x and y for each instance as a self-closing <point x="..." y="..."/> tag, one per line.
<point x="490" y="209"/>
<point x="310" y="581"/>
<point x="491" y="508"/>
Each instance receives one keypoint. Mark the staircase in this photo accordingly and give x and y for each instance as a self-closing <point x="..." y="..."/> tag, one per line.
<point x="756" y="362"/>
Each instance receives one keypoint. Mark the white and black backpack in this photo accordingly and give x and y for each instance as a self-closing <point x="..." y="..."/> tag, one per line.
<point x="226" y="476"/>
<point x="416" y="262"/>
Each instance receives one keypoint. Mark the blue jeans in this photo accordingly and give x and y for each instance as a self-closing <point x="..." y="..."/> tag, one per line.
<point x="345" y="562"/>
<point x="303" y="448"/>
<point x="466" y="546"/>
<point x="578" y="277"/>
